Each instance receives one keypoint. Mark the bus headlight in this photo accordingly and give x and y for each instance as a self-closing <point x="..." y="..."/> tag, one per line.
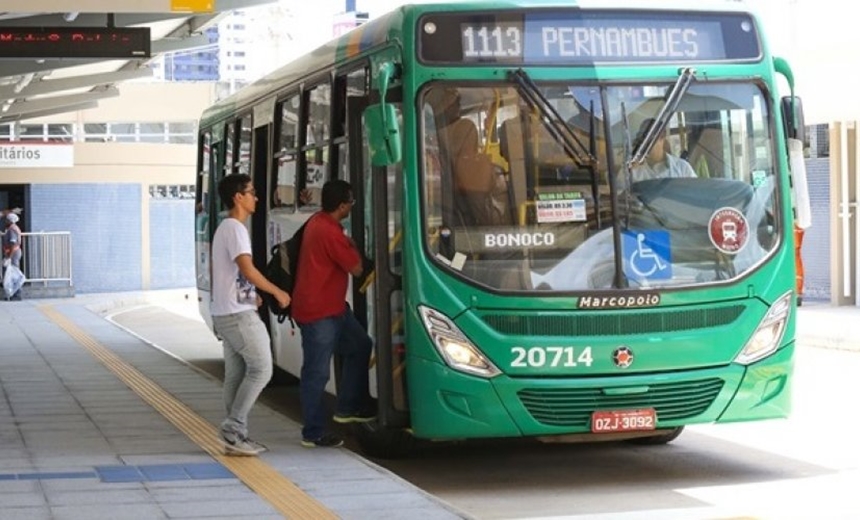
<point x="456" y="349"/>
<point x="767" y="336"/>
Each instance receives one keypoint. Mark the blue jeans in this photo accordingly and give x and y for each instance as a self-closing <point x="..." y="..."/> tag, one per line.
<point x="342" y="335"/>
<point x="247" y="367"/>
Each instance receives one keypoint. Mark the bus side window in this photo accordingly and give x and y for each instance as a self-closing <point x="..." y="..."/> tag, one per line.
<point x="284" y="192"/>
<point x="318" y="138"/>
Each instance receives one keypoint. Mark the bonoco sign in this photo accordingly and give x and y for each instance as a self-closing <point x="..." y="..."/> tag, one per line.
<point x="41" y="155"/>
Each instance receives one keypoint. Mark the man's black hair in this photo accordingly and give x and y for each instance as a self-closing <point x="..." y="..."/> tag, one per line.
<point x="334" y="193"/>
<point x="230" y="186"/>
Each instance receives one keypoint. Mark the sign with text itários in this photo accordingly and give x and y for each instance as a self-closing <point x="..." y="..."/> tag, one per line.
<point x="36" y="155"/>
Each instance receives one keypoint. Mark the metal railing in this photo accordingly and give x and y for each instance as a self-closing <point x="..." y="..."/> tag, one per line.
<point x="47" y="257"/>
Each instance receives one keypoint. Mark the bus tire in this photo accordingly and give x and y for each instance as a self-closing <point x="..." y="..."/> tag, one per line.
<point x="384" y="443"/>
<point x="656" y="440"/>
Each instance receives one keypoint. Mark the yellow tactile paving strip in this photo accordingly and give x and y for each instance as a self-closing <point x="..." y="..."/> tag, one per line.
<point x="270" y="485"/>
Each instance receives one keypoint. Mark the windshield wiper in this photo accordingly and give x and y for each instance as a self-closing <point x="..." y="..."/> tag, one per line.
<point x="667" y="110"/>
<point x="553" y="122"/>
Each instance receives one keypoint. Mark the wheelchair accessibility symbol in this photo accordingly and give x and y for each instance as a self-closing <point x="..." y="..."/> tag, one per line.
<point x="647" y="255"/>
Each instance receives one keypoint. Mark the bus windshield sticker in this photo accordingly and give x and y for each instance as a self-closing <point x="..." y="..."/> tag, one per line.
<point x="458" y="261"/>
<point x="647" y="254"/>
<point x="619" y="301"/>
<point x="560" y="207"/>
<point x="728" y="230"/>
<point x="759" y="178"/>
<point x="518" y="240"/>
<point x="443" y="259"/>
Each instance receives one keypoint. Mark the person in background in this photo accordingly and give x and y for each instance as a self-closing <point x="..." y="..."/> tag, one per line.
<point x="12" y="246"/>
<point x="247" y="353"/>
<point x="326" y="259"/>
<point x="659" y="163"/>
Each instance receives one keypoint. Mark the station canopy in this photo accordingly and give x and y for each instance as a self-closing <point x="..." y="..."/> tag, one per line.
<point x="57" y="62"/>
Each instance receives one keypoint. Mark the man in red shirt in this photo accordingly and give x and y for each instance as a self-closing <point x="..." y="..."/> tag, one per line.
<point x="326" y="259"/>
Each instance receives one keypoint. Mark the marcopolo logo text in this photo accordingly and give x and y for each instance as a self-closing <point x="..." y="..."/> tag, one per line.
<point x="625" y="301"/>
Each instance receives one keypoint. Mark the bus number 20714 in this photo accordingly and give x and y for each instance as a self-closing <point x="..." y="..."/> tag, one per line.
<point x="538" y="357"/>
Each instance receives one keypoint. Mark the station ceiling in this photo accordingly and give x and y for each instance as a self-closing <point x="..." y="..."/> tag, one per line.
<point x="38" y="87"/>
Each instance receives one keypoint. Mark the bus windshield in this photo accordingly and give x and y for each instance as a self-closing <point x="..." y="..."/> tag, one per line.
<point x="520" y="197"/>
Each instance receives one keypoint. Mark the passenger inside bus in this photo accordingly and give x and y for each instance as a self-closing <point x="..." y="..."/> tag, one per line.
<point x="472" y="171"/>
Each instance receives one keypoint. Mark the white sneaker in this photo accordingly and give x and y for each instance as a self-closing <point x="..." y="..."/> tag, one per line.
<point x="261" y="448"/>
<point x="242" y="447"/>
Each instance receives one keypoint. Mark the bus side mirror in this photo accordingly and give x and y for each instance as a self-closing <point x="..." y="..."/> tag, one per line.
<point x="383" y="134"/>
<point x="792" y="115"/>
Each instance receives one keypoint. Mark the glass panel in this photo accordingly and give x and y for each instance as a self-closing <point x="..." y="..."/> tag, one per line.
<point x="244" y="163"/>
<point x="319" y="111"/>
<point x="201" y="214"/>
<point x="394" y="190"/>
<point x="289" y="136"/>
<point x="99" y="129"/>
<point x="699" y="207"/>
<point x="31" y="132"/>
<point x="181" y="139"/>
<point x="229" y="139"/>
<point x="398" y="356"/>
<point x="356" y="83"/>
<point x="343" y="161"/>
<point x="285" y="185"/>
<point x="181" y="128"/>
<point x="152" y="128"/>
<point x="316" y="174"/>
<point x="511" y="204"/>
<point x="123" y="128"/>
<point x="63" y="131"/>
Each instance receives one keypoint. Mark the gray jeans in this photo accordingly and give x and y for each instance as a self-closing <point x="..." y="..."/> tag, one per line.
<point x="247" y="367"/>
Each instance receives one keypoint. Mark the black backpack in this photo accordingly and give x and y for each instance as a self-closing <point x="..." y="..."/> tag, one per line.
<point x="281" y="271"/>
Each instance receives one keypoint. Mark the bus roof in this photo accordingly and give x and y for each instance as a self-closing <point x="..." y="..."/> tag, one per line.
<point x="388" y="28"/>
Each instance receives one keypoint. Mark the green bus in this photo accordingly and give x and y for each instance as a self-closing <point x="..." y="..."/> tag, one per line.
<point x="530" y="280"/>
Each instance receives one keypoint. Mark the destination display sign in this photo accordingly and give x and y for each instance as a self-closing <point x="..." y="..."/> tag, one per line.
<point x="74" y="42"/>
<point x="587" y="37"/>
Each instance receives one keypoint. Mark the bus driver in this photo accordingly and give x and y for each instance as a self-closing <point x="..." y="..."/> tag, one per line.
<point x="659" y="163"/>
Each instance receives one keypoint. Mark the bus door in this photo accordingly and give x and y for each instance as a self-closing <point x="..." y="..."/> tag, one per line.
<point x="377" y="298"/>
<point x="260" y="176"/>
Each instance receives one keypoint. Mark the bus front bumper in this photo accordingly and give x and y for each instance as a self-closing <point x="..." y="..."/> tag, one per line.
<point x="447" y="404"/>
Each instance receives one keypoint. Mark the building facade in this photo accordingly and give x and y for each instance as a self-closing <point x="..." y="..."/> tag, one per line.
<point x="127" y="198"/>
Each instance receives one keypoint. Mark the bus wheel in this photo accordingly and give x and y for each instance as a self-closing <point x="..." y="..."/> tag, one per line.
<point x="383" y="443"/>
<point x="663" y="438"/>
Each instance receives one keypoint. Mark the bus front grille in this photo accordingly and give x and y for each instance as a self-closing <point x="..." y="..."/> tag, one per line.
<point x="572" y="407"/>
<point x="612" y="324"/>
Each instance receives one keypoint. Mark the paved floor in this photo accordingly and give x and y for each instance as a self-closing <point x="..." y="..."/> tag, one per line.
<point x="97" y="424"/>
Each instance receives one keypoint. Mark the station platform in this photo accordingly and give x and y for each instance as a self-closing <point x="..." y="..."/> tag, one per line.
<point x="96" y="422"/>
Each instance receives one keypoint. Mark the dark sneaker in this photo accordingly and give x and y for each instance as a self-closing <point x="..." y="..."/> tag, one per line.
<point x="328" y="440"/>
<point x="241" y="447"/>
<point x="358" y="417"/>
